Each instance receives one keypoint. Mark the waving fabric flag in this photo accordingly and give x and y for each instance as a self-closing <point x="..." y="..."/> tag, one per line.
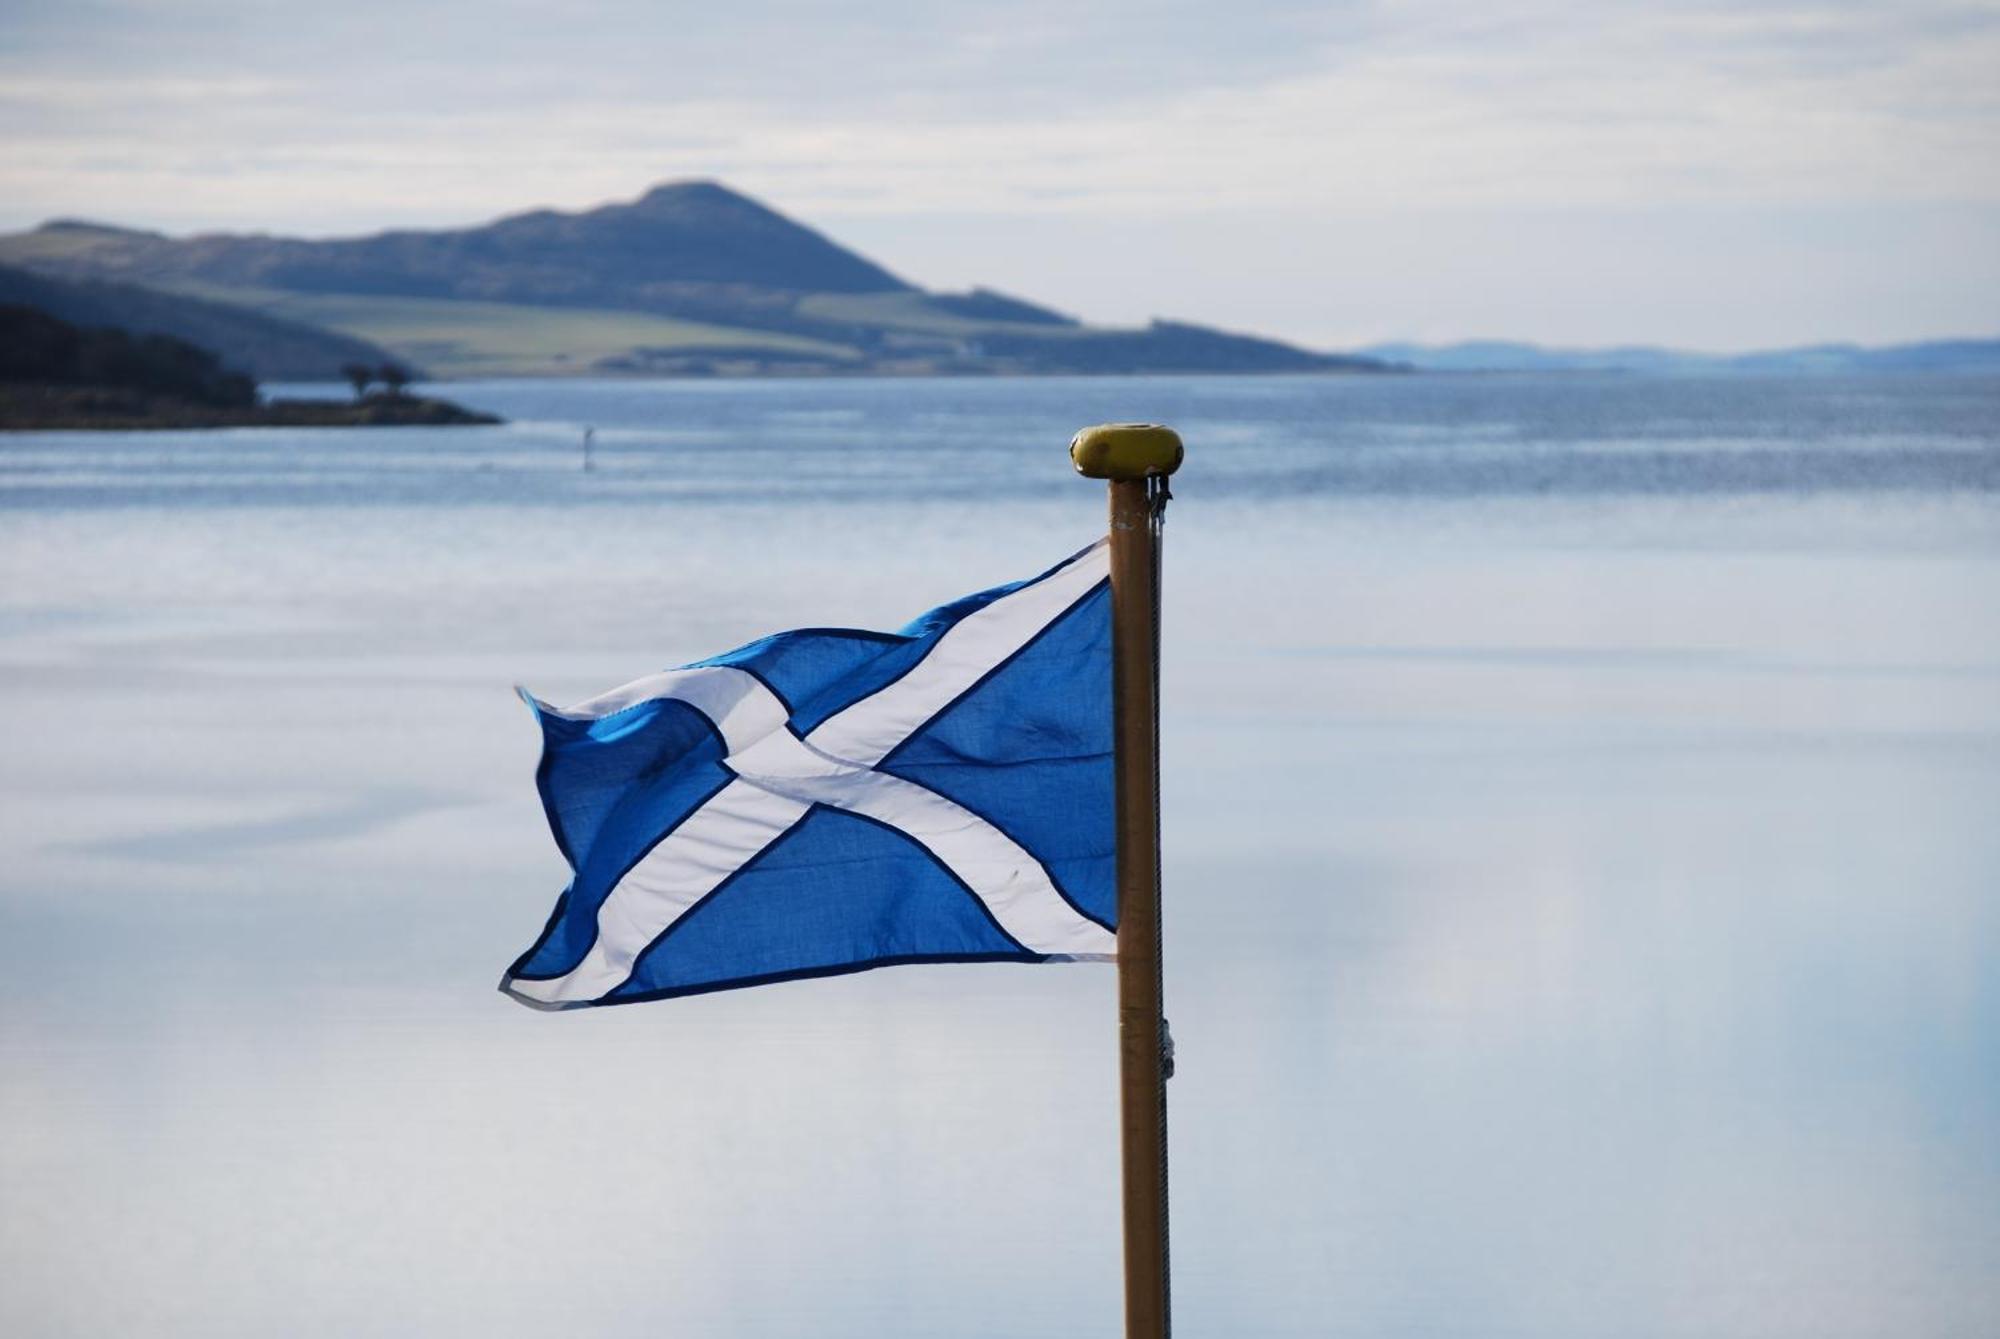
<point x="831" y="800"/>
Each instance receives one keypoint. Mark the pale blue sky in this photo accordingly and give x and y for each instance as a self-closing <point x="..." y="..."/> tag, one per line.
<point x="1713" y="175"/>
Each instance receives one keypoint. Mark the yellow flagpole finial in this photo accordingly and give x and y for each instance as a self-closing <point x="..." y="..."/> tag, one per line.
<point x="1126" y="451"/>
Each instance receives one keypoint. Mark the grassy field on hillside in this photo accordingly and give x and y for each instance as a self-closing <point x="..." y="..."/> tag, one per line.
<point x="483" y="339"/>
<point x="914" y="312"/>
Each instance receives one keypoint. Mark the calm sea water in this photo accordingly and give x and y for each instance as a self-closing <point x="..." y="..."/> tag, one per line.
<point x="1581" y="872"/>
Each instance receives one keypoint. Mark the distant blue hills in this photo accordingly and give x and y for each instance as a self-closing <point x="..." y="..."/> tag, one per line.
<point x="689" y="279"/>
<point x="694" y="279"/>
<point x="1943" y="355"/>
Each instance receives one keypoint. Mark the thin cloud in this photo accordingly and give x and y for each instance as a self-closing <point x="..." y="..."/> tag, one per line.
<point x="1296" y="114"/>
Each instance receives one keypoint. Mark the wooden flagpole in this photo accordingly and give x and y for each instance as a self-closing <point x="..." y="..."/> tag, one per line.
<point x="1136" y="459"/>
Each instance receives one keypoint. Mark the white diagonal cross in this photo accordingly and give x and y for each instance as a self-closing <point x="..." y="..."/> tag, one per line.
<point x="780" y="777"/>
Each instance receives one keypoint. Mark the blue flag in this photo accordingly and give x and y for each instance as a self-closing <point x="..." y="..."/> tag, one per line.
<point x="831" y="800"/>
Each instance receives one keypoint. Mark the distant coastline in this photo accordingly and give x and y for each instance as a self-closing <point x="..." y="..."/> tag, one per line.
<point x="694" y="280"/>
<point x="1488" y="356"/>
<point x="41" y="408"/>
<point x="691" y="279"/>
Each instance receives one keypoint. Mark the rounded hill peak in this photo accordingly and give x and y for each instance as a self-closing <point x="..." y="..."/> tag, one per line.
<point x="694" y="190"/>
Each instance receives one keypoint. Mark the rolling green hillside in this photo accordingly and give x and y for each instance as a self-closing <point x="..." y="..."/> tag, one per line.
<point x="489" y="339"/>
<point x="964" y="315"/>
<point x="689" y="279"/>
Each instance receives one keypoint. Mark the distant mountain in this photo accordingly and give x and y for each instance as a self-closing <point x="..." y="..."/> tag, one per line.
<point x="1940" y="355"/>
<point x="1492" y="355"/>
<point x="691" y="278"/>
<point x="1958" y="355"/>
<point x="267" y="347"/>
<point x="690" y="244"/>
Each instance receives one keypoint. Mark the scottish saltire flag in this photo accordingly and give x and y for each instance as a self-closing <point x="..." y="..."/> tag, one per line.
<point x="831" y="800"/>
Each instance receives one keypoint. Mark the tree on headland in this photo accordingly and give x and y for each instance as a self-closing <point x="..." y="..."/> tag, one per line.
<point x="360" y="376"/>
<point x="394" y="376"/>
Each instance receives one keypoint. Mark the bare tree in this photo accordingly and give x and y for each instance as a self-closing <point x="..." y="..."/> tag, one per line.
<point x="394" y="376"/>
<point x="360" y="376"/>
